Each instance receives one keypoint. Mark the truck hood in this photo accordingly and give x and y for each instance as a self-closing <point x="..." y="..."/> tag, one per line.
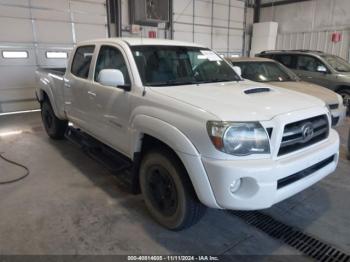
<point x="328" y="96"/>
<point x="230" y="101"/>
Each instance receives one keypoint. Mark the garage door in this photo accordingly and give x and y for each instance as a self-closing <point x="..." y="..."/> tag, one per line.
<point x="41" y="33"/>
<point x="217" y="24"/>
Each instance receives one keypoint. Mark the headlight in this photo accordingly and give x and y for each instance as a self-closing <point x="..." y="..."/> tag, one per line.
<point x="239" y="139"/>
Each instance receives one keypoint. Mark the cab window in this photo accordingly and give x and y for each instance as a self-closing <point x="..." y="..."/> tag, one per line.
<point x="111" y="58"/>
<point x="81" y="61"/>
<point x="308" y="63"/>
<point x="286" y="60"/>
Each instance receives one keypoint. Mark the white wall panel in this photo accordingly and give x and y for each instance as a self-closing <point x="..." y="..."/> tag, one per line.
<point x="202" y="35"/>
<point x="183" y="32"/>
<point x="51" y="4"/>
<point x="86" y="32"/>
<point x="13" y="11"/>
<point x="15" y="2"/>
<point x="16" y="30"/>
<point x="54" y="32"/>
<point x="44" y="14"/>
<point x="37" y="26"/>
<point x="89" y="8"/>
<point x="210" y="23"/>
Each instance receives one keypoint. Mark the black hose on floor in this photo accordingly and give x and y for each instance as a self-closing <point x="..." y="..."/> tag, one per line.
<point x="15" y="164"/>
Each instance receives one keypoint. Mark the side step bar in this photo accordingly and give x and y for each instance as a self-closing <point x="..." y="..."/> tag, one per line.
<point x="122" y="168"/>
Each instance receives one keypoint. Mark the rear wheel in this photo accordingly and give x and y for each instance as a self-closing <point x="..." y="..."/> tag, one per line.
<point x="168" y="192"/>
<point x="54" y="126"/>
<point x="346" y="98"/>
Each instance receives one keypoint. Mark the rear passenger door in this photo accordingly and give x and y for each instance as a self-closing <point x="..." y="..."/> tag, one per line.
<point x="307" y="68"/>
<point x="76" y="86"/>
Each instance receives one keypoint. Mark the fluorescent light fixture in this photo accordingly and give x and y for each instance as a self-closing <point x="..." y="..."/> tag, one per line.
<point x="56" y="54"/>
<point x="20" y="112"/>
<point x="235" y="56"/>
<point x="14" y="54"/>
<point x="11" y="133"/>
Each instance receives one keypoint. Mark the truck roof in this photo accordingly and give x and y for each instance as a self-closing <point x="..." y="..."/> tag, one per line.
<point x="141" y="41"/>
<point x="297" y="51"/>
<point x="249" y="59"/>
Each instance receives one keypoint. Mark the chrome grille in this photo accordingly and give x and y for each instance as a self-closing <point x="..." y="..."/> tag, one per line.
<point x="303" y="133"/>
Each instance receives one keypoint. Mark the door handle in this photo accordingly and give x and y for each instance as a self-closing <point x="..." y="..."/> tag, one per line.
<point x="91" y="93"/>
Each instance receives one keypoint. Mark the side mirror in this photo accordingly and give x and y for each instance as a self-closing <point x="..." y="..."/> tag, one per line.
<point x="321" y="69"/>
<point x="112" y="77"/>
<point x="238" y="70"/>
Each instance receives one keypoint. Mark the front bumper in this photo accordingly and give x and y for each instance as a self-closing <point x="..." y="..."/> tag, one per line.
<point x="259" y="178"/>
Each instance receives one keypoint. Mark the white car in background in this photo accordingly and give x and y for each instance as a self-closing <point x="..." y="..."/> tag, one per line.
<point x="195" y="133"/>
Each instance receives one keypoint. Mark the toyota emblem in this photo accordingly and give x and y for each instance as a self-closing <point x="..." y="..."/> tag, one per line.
<point x="307" y="132"/>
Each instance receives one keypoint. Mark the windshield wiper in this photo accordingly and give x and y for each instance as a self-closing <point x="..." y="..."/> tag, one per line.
<point x="173" y="82"/>
<point x="217" y="80"/>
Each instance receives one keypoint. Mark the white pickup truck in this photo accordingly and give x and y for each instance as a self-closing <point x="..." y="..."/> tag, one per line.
<point x="197" y="134"/>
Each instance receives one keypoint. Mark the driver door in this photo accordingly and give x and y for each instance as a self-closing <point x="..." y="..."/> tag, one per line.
<point x="110" y="105"/>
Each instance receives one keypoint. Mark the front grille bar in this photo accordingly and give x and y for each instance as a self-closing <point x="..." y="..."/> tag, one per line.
<point x="304" y="173"/>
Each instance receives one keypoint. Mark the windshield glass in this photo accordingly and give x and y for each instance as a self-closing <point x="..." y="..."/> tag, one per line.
<point x="265" y="72"/>
<point x="178" y="65"/>
<point x="337" y="63"/>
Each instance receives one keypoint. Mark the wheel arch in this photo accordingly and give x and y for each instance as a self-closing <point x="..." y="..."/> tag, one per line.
<point x="46" y="95"/>
<point x="150" y="132"/>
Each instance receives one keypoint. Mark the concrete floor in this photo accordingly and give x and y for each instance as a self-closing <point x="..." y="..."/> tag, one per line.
<point x="71" y="204"/>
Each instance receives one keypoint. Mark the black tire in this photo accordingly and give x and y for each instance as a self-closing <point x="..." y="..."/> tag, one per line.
<point x="54" y="127"/>
<point x="168" y="192"/>
<point x="346" y="97"/>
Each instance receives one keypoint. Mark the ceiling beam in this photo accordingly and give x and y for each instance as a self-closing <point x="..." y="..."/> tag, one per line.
<point x="282" y="2"/>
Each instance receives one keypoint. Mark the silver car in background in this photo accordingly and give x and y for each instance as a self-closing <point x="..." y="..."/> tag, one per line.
<point x="316" y="67"/>
<point x="269" y="71"/>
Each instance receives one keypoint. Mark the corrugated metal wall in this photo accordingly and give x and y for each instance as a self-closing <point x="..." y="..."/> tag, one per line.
<point x="310" y="24"/>
<point x="217" y="24"/>
<point x="36" y="27"/>
<point x="316" y="40"/>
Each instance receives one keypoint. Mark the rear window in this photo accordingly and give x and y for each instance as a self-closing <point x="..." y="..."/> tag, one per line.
<point x="82" y="60"/>
<point x="286" y="60"/>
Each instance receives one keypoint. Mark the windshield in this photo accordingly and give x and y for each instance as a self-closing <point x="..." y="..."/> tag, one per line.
<point x="178" y="65"/>
<point x="265" y="72"/>
<point x="337" y="63"/>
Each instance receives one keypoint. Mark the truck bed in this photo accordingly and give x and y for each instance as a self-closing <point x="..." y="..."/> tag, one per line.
<point x="60" y="71"/>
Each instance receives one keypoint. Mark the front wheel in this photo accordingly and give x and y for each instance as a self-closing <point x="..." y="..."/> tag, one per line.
<point x="168" y="192"/>
<point x="346" y="98"/>
<point x="54" y="126"/>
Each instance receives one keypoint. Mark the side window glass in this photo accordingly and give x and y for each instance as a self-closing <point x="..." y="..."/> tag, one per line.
<point x="308" y="63"/>
<point x="111" y="58"/>
<point x="82" y="60"/>
<point x="286" y="60"/>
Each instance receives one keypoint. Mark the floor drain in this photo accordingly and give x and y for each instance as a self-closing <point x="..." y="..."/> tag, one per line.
<point x="306" y="244"/>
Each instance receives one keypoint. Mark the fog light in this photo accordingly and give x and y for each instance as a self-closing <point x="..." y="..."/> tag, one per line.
<point x="235" y="185"/>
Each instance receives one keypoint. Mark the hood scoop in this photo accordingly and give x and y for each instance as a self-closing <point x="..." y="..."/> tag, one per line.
<point x="257" y="90"/>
